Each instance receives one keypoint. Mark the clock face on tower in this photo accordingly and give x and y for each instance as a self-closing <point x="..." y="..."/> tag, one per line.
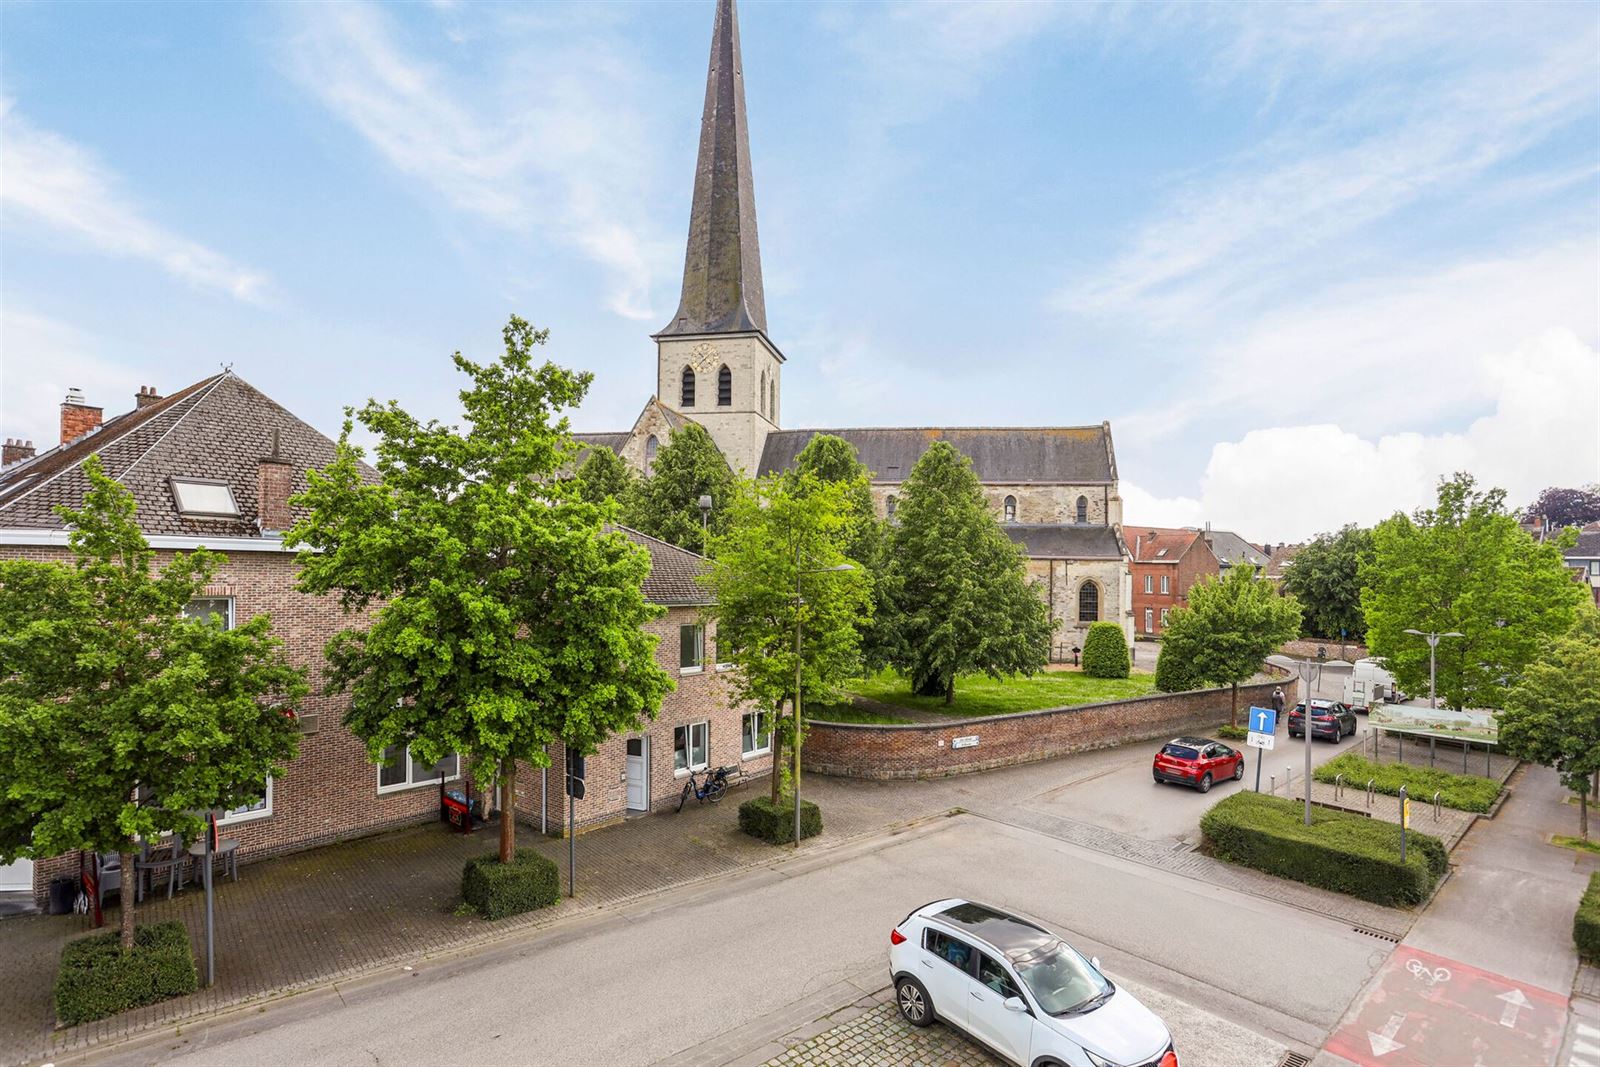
<point x="704" y="356"/>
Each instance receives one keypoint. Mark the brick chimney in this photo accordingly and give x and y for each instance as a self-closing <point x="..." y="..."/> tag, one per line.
<point x="77" y="417"/>
<point x="16" y="450"/>
<point x="273" y="484"/>
<point x="146" y="396"/>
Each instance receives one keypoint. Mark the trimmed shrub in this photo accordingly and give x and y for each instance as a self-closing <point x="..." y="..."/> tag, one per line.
<point x="1586" y="923"/>
<point x="1338" y="851"/>
<point x="1174" y="674"/>
<point x="98" y="979"/>
<point x="1229" y="732"/>
<point x="774" y="823"/>
<point x="498" y="889"/>
<point x="1105" y="652"/>
<point x="1464" y="792"/>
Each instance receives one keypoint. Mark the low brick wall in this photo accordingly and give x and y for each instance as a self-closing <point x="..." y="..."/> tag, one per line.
<point x="930" y="750"/>
<point x="1306" y="648"/>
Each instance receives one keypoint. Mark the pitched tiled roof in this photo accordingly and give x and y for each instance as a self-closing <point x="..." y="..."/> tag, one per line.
<point x="217" y="429"/>
<point x="613" y="441"/>
<point x="1156" y="544"/>
<point x="1000" y="454"/>
<point x="1067" y="541"/>
<point x="1587" y="547"/>
<point x="1230" y="548"/>
<point x="674" y="572"/>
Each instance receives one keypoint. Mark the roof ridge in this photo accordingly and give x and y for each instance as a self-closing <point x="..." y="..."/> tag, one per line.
<point x="200" y="400"/>
<point x="851" y="429"/>
<point x="659" y="541"/>
<point x="170" y="403"/>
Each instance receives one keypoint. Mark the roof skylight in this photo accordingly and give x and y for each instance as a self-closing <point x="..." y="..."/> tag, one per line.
<point x="204" y="499"/>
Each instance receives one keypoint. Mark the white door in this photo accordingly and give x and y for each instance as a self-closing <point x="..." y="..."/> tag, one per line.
<point x="638" y="774"/>
<point x="16" y="876"/>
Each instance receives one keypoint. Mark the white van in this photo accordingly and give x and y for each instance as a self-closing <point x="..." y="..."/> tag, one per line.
<point x="1369" y="683"/>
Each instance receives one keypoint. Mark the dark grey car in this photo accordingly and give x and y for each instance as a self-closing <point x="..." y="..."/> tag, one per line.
<point x="1330" y="720"/>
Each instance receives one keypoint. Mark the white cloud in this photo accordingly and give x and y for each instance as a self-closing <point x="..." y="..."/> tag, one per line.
<point x="59" y="357"/>
<point x="1291" y="482"/>
<point x="57" y="183"/>
<point x="557" y="149"/>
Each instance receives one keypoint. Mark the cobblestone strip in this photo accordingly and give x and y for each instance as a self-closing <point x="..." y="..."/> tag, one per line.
<point x="879" y="1037"/>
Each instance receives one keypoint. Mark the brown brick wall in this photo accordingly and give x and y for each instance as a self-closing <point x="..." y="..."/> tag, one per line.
<point x="924" y="750"/>
<point x="1197" y="562"/>
<point x="77" y="420"/>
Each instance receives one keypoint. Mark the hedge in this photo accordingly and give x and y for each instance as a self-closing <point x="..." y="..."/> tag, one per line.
<point x="774" y="823"/>
<point x="98" y="979"/>
<point x="1586" y="923"/>
<point x="1105" y="652"/>
<point x="1339" y="851"/>
<point x="1464" y="792"/>
<point x="1229" y="732"/>
<point x="498" y="889"/>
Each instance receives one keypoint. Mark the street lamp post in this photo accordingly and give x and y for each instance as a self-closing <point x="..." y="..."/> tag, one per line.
<point x="1432" y="637"/>
<point x="1310" y="671"/>
<point x="705" y="524"/>
<point x="799" y="572"/>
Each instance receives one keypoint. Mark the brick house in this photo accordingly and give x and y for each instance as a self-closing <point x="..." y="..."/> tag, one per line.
<point x="1165" y="563"/>
<point x="1584" y="559"/>
<point x="214" y="465"/>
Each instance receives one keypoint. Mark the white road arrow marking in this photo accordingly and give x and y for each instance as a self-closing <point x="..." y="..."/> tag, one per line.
<point x="1383" y="1041"/>
<point x="1515" y="1002"/>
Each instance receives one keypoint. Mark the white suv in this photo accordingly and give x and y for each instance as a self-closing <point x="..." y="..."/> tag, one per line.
<point x="1020" y="990"/>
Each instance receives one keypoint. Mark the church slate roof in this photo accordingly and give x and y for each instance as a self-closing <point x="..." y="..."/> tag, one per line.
<point x="1001" y="455"/>
<point x="217" y="429"/>
<point x="1052" y="541"/>
<point x="613" y="441"/>
<point x="674" y="572"/>
<point x="722" y="290"/>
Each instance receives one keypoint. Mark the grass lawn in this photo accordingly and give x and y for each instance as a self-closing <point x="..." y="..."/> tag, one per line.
<point x="850" y="713"/>
<point x="982" y="695"/>
<point x="1460" y="791"/>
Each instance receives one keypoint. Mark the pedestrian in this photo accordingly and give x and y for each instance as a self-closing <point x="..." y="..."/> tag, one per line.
<point x="1277" y="701"/>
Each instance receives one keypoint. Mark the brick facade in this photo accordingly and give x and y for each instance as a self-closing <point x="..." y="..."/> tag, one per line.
<point x="927" y="750"/>
<point x="1186" y="560"/>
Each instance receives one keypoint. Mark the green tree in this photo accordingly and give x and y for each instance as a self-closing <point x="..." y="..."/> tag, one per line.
<point x="666" y="504"/>
<point x="1105" y="652"/>
<point x="1231" y="625"/>
<point x="1325" y="576"/>
<point x="1174" y="672"/>
<point x="783" y="539"/>
<point x="1552" y="713"/>
<point x="1464" y="566"/>
<point x="831" y="460"/>
<point x="504" y="618"/>
<point x="603" y="475"/>
<point x="957" y="597"/>
<point x="120" y="718"/>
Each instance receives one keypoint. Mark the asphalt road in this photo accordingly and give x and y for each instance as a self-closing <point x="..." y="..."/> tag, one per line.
<point x="661" y="977"/>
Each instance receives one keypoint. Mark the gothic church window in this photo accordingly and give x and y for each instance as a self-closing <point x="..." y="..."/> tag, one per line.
<point x="761" y="394"/>
<point x="1011" y="509"/>
<point x="772" y="399"/>
<point x="889" y="504"/>
<point x="1088" y="602"/>
<point x="650" y="446"/>
<point x="1083" y="509"/>
<point x="724" y="387"/>
<point x="686" y="398"/>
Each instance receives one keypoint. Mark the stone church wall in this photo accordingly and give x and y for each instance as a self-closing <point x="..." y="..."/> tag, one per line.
<point x="739" y="429"/>
<point x="1059" y="583"/>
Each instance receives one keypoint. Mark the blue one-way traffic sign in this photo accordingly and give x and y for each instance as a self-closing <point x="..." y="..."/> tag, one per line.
<point x="1263" y="721"/>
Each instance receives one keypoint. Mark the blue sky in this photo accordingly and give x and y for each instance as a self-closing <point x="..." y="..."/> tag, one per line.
<point x="1305" y="258"/>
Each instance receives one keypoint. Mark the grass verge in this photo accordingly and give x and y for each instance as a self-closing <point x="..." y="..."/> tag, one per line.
<point x="982" y="695"/>
<point x="1464" y="792"/>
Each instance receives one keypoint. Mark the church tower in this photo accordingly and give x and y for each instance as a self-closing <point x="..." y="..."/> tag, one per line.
<point x="714" y="361"/>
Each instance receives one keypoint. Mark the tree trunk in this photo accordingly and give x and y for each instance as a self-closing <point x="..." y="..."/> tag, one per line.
<point x="508" y="809"/>
<point x="1233" y="711"/>
<point x="129" y="890"/>
<point x="950" y="691"/>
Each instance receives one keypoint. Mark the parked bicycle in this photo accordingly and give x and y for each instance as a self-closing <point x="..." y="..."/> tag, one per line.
<point x="712" y="789"/>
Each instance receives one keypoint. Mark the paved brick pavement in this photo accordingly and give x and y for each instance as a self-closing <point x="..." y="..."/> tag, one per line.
<point x="333" y="913"/>
<point x="877" y="1036"/>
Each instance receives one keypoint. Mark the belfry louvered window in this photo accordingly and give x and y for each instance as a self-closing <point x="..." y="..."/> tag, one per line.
<point x="1083" y="509"/>
<point x="686" y="394"/>
<point x="724" y="387"/>
<point x="1011" y="509"/>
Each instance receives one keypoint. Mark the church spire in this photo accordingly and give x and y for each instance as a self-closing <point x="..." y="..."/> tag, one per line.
<point x="722" y="267"/>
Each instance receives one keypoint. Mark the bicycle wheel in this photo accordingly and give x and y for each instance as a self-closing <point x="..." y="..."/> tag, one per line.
<point x="683" y="797"/>
<point x="714" y="793"/>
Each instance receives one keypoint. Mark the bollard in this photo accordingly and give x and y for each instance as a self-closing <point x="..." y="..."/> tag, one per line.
<point x="1370" y="791"/>
<point x="1338" y="786"/>
<point x="1402" y="824"/>
<point x="1274" y="790"/>
<point x="1288" y="782"/>
<point x="1436" y="805"/>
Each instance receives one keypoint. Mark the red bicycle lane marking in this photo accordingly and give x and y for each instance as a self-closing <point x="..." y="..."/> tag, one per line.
<point x="1429" y="1011"/>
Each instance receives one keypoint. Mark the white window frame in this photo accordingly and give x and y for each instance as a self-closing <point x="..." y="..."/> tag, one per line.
<point x="698" y="667"/>
<point x="1166" y="585"/>
<point x="245" y="814"/>
<point x="1149" y="583"/>
<point x="1164" y="613"/>
<point x="401" y="787"/>
<point x="229" y="600"/>
<point x="753" y="753"/>
<point x="1149" y="621"/>
<point x="177" y="483"/>
<point x="704" y="726"/>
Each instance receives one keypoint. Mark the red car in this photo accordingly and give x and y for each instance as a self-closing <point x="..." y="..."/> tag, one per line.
<point x="1197" y="761"/>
